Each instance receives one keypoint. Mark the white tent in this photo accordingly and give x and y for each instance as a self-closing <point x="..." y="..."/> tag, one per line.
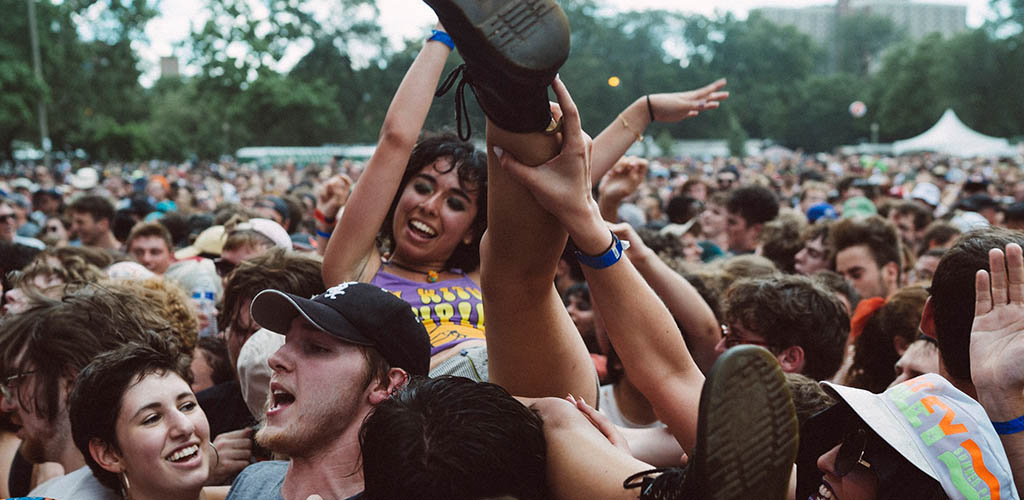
<point x="950" y="136"/>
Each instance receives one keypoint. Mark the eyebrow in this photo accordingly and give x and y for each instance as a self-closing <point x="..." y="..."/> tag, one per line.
<point x="457" y="191"/>
<point x="156" y="404"/>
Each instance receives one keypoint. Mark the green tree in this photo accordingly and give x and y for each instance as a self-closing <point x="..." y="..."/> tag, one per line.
<point x="859" y="40"/>
<point x="819" y="119"/>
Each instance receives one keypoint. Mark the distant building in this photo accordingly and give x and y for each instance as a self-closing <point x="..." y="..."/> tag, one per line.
<point x="169" y="67"/>
<point x="914" y="19"/>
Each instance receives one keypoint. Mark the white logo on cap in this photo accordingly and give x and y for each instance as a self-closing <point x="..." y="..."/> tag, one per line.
<point x="337" y="290"/>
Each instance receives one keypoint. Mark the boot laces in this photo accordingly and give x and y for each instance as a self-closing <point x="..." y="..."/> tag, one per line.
<point x="667" y="485"/>
<point x="461" y="112"/>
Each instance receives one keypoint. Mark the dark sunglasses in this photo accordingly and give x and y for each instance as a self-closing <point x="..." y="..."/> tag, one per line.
<point x="851" y="452"/>
<point x="6" y="217"/>
<point x="224" y="267"/>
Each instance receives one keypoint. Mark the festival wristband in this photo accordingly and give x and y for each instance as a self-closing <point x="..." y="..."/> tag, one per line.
<point x="1012" y="427"/>
<point x="318" y="215"/>
<point x="440" y="36"/>
<point x="323" y="234"/>
<point x="606" y="259"/>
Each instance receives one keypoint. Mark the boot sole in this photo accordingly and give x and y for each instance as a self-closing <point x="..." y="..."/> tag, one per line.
<point x="525" y="40"/>
<point x="747" y="429"/>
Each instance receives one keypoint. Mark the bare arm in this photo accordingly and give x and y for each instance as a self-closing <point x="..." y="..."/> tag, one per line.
<point x="619" y="135"/>
<point x="351" y="253"/>
<point x="640" y="327"/>
<point x="997" y="347"/>
<point x="681" y="298"/>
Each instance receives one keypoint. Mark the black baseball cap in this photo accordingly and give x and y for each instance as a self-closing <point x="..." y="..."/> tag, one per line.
<point x="358" y="313"/>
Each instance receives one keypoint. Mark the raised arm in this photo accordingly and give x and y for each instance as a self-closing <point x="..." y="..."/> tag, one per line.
<point x="681" y="298"/>
<point x="640" y="327"/>
<point x="997" y="348"/>
<point x="351" y="253"/>
<point x="631" y="123"/>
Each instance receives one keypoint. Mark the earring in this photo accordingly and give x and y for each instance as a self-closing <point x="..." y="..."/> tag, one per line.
<point x="125" y="484"/>
<point x="216" y="454"/>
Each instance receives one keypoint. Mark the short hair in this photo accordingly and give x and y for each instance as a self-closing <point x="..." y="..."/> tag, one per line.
<point x="244" y="238"/>
<point x="922" y="216"/>
<point x="98" y="393"/>
<point x="812" y="186"/>
<point x="838" y="284"/>
<point x="216" y="351"/>
<point x="780" y="239"/>
<point x="471" y="166"/>
<point x="456" y="439"/>
<point x="99" y="207"/>
<point x="276" y="268"/>
<point x="808" y="396"/>
<point x="148" y="230"/>
<point x="755" y="204"/>
<point x="940" y="232"/>
<point x="57" y="338"/>
<point x="162" y="302"/>
<point x="789" y="310"/>
<point x="682" y="208"/>
<point x="953" y="294"/>
<point x="876" y="233"/>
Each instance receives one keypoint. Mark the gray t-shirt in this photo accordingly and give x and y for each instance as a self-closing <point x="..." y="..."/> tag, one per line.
<point x="80" y="484"/>
<point x="262" y="481"/>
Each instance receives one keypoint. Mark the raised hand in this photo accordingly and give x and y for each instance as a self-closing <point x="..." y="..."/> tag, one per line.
<point x="333" y="195"/>
<point x="624" y="178"/>
<point x="676" y="106"/>
<point x="997" y="335"/>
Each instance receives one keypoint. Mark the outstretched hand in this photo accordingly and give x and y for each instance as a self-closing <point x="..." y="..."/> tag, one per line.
<point x="997" y="335"/>
<point x="677" y="106"/>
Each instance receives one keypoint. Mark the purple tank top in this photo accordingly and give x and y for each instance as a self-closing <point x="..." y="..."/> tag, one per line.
<point x="451" y="311"/>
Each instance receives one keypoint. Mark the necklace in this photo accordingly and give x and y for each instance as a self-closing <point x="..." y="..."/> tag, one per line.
<point x="432" y="275"/>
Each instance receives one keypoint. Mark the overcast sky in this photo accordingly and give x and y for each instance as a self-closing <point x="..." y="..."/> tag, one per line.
<point x="409" y="18"/>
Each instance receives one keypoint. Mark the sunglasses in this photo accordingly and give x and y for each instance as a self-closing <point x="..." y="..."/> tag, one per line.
<point x="851" y="452"/>
<point x="6" y="217"/>
<point x="10" y="384"/>
<point x="224" y="267"/>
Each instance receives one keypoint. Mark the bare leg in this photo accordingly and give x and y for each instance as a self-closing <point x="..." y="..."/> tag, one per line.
<point x="533" y="347"/>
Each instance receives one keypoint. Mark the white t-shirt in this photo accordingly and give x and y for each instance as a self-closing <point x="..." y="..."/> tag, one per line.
<point x="78" y="485"/>
<point x="610" y="408"/>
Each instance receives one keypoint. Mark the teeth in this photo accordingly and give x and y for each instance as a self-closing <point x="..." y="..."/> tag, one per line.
<point x="422" y="227"/>
<point x="185" y="452"/>
<point x="824" y="492"/>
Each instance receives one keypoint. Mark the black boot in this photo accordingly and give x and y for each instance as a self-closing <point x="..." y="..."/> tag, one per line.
<point x="513" y="50"/>
<point x="746" y="435"/>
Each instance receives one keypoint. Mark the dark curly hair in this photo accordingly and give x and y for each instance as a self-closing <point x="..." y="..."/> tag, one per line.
<point x="471" y="166"/>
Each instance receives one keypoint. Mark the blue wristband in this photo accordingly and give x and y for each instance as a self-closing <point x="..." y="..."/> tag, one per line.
<point x="609" y="257"/>
<point x="1012" y="427"/>
<point x="323" y="234"/>
<point x="440" y="36"/>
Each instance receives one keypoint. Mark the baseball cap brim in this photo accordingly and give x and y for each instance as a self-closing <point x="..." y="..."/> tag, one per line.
<point x="275" y="310"/>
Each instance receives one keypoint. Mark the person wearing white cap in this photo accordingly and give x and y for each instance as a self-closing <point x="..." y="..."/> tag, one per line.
<point x="920" y="439"/>
<point x="249" y="239"/>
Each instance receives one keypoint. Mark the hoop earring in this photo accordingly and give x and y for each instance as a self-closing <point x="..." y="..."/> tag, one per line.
<point x="216" y="455"/>
<point x="125" y="485"/>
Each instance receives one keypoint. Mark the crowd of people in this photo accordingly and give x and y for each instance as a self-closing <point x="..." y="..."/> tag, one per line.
<point x="777" y="326"/>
